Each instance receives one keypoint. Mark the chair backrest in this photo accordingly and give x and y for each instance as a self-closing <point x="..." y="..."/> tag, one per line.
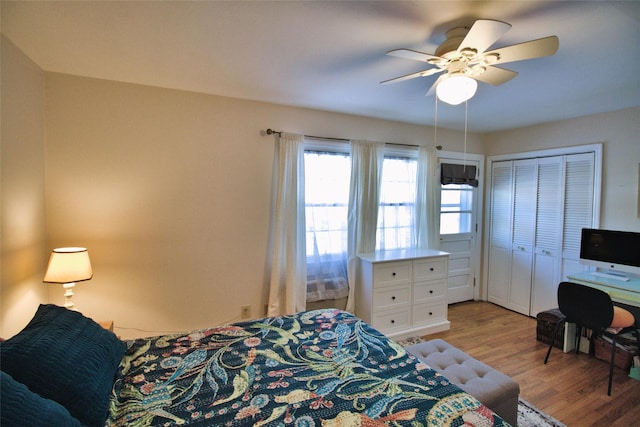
<point x="585" y="305"/>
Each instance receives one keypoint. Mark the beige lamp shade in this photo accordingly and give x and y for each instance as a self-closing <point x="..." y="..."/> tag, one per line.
<point x="68" y="265"/>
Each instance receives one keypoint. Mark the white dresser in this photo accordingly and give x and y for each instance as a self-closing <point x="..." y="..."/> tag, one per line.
<point x="403" y="293"/>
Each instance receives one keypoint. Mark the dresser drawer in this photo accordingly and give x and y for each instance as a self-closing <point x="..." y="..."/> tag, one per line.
<point x="427" y="291"/>
<point x="391" y="296"/>
<point x="392" y="320"/>
<point x="430" y="312"/>
<point x="427" y="269"/>
<point x="391" y="273"/>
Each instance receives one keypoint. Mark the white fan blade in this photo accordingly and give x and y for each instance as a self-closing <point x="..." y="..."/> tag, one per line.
<point x="413" y="54"/>
<point x="483" y="33"/>
<point x="495" y="76"/>
<point x="546" y="46"/>
<point x="423" y="73"/>
<point x="432" y="89"/>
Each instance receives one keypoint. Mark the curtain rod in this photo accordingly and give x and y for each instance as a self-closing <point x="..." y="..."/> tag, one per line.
<point x="279" y="133"/>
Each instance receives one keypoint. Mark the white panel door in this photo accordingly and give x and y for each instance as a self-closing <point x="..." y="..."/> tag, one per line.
<point x="458" y="234"/>
<point x="461" y="261"/>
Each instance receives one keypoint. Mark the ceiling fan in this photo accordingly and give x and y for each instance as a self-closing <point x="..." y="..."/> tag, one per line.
<point x="463" y="59"/>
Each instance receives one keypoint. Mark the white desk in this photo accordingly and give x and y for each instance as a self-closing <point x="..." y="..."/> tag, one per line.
<point x="625" y="294"/>
<point x="622" y="292"/>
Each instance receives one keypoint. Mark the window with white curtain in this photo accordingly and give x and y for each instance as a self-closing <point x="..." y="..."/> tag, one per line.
<point x="327" y="177"/>
<point x="396" y="212"/>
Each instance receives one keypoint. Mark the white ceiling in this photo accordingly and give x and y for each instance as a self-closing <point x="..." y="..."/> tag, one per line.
<point x="330" y="55"/>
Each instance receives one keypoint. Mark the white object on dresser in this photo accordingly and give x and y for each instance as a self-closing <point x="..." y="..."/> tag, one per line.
<point x="403" y="293"/>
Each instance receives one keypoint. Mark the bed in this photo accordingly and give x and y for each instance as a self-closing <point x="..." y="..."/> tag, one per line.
<point x="315" y="368"/>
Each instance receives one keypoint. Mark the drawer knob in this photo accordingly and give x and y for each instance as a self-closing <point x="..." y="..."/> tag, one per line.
<point x="431" y="291"/>
<point x="431" y="269"/>
<point x="393" y="298"/>
<point x="393" y="321"/>
<point x="393" y="274"/>
<point x="430" y="314"/>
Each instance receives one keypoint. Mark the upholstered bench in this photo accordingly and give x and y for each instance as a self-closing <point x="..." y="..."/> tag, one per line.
<point x="493" y="388"/>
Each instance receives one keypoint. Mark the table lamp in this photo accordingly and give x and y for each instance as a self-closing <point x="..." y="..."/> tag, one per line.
<point x="68" y="266"/>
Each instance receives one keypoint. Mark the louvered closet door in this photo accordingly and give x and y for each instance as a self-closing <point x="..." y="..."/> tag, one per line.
<point x="579" y="208"/>
<point x="539" y="207"/>
<point x="500" y="232"/>
<point x="524" y="216"/>
<point x="548" y="244"/>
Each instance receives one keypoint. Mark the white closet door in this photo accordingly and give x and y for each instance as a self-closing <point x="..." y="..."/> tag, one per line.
<point x="524" y="216"/>
<point x="501" y="206"/>
<point x="547" y="250"/>
<point x="579" y="208"/>
<point x="539" y="206"/>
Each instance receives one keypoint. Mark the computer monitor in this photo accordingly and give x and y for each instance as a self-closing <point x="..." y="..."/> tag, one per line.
<point x="612" y="251"/>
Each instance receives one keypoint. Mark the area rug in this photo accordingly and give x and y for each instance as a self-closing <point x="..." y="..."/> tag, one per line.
<point x="528" y="415"/>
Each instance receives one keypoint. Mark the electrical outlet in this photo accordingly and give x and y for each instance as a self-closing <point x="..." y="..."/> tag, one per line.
<point x="245" y="311"/>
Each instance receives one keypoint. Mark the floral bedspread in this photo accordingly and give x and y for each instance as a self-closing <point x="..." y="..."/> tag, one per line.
<point x="316" y="368"/>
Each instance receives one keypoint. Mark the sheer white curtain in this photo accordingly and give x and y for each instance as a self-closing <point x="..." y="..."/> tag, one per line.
<point x="327" y="200"/>
<point x="364" y="196"/>
<point x="397" y="212"/>
<point x="427" y="209"/>
<point x="287" y="293"/>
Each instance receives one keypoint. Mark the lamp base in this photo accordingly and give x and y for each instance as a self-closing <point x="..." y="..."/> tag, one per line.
<point x="68" y="294"/>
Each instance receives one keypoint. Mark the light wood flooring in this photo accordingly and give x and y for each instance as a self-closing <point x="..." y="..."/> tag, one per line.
<point x="571" y="388"/>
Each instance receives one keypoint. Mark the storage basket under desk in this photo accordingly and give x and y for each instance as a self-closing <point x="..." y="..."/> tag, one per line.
<point x="547" y="321"/>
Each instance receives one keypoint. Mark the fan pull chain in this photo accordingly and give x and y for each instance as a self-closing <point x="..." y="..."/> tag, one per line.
<point x="435" y="129"/>
<point x="464" y="158"/>
<point x="435" y="124"/>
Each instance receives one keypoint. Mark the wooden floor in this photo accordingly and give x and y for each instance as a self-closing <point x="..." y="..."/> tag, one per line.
<point x="571" y="388"/>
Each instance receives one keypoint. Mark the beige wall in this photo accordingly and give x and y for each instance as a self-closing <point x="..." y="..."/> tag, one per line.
<point x="171" y="193"/>
<point x="619" y="133"/>
<point x="22" y="190"/>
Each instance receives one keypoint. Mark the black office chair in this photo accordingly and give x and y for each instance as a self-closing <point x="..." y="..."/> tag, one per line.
<point x="593" y="309"/>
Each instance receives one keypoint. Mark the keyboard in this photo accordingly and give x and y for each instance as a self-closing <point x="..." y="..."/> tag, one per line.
<point x="610" y="276"/>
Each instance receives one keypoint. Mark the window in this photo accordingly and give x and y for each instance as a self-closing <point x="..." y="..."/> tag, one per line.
<point x="397" y="202"/>
<point x="456" y="206"/>
<point x="327" y="179"/>
<point x="327" y="176"/>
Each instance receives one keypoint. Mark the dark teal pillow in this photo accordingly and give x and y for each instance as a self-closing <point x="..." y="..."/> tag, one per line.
<point x="19" y="406"/>
<point x="64" y="356"/>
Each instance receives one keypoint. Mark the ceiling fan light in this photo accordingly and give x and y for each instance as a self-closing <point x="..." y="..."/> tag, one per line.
<point x="456" y="89"/>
